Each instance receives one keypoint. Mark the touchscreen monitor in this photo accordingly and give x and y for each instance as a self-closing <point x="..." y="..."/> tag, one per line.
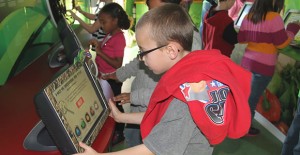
<point x="243" y="12"/>
<point x="71" y="44"/>
<point x="291" y="16"/>
<point x="73" y="108"/>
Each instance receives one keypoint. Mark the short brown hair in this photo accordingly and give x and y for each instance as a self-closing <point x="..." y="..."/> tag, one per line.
<point x="169" y="22"/>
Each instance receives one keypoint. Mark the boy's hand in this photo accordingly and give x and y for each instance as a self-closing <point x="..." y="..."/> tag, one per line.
<point x="123" y="98"/>
<point x="87" y="150"/>
<point x="115" y="112"/>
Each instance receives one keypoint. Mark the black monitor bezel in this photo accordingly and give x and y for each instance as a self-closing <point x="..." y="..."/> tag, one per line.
<point x="56" y="10"/>
<point x="241" y="13"/>
<point x="66" y="33"/>
<point x="53" y="121"/>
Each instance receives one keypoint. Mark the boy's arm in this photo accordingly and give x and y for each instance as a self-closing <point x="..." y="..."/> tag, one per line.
<point x="128" y="70"/>
<point x="136" y="150"/>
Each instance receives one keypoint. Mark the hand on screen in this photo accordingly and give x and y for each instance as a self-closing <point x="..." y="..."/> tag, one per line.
<point x="87" y="150"/>
<point x="115" y="112"/>
<point x="123" y="98"/>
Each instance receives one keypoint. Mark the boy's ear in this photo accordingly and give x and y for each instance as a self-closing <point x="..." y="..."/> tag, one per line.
<point x="173" y="50"/>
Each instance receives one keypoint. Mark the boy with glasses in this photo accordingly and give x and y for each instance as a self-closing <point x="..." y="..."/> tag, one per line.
<point x="200" y="99"/>
<point x="143" y="84"/>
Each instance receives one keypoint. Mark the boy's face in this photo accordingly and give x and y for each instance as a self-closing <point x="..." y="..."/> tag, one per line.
<point x="157" y="60"/>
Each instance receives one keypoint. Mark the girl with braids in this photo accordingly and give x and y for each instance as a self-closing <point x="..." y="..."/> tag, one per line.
<point x="110" y="50"/>
<point x="264" y="33"/>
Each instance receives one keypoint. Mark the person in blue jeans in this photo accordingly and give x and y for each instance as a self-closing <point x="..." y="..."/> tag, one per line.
<point x="291" y="145"/>
<point x="206" y="5"/>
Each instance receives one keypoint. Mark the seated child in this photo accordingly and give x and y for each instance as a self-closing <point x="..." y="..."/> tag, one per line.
<point x="200" y="99"/>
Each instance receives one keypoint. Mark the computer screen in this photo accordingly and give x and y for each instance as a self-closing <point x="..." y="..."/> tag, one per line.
<point x="73" y="108"/>
<point x="291" y="16"/>
<point x="243" y="12"/>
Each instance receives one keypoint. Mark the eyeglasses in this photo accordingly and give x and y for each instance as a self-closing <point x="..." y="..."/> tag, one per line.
<point x="143" y="53"/>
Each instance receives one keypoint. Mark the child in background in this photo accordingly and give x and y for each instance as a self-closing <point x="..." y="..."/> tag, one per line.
<point x="206" y="5"/>
<point x="110" y="51"/>
<point x="201" y="97"/>
<point x="264" y="33"/>
<point x="218" y="28"/>
<point x="95" y="28"/>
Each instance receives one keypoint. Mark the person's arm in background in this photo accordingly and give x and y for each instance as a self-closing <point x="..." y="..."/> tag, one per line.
<point x="91" y="28"/>
<point x="128" y="70"/>
<point x="230" y="35"/>
<point x="282" y="37"/>
<point x="123" y="73"/>
<point x="90" y="16"/>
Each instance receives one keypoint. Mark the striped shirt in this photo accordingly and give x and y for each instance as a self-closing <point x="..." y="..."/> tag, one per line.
<point x="264" y="39"/>
<point x="99" y="34"/>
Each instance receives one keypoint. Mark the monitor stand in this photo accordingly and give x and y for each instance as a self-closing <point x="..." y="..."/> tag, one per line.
<point x="39" y="139"/>
<point x="57" y="57"/>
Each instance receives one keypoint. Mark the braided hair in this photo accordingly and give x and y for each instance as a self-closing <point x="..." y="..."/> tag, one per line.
<point x="116" y="11"/>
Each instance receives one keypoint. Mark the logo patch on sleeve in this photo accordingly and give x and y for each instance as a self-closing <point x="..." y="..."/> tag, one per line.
<point x="211" y="93"/>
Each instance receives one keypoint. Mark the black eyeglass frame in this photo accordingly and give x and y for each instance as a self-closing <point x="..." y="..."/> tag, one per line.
<point x="141" y="53"/>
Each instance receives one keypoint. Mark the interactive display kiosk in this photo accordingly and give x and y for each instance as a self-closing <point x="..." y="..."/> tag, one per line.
<point x="73" y="108"/>
<point x="291" y="16"/>
<point x="243" y="12"/>
<point x="70" y="45"/>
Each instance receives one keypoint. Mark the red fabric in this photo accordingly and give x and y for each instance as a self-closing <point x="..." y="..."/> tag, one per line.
<point x="213" y="30"/>
<point x="204" y="65"/>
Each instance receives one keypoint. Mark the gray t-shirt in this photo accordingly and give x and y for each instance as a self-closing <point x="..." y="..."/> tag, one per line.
<point x="142" y="86"/>
<point x="177" y="134"/>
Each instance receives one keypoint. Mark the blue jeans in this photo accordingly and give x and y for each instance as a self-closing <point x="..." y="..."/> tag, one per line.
<point x="132" y="135"/>
<point x="258" y="85"/>
<point x="291" y="145"/>
<point x="205" y="7"/>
